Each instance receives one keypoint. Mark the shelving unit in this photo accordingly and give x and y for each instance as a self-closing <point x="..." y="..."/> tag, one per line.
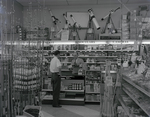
<point x="27" y="66"/>
<point x="72" y="92"/>
<point x="124" y="107"/>
<point x="76" y="91"/>
<point x="132" y="97"/>
<point x="139" y="95"/>
<point x="6" y="86"/>
<point x="125" y="78"/>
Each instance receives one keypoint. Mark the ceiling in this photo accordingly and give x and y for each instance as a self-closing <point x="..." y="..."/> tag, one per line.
<point x="79" y="2"/>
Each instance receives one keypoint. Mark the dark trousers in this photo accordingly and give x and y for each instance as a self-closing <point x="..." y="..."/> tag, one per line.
<point x="56" y="88"/>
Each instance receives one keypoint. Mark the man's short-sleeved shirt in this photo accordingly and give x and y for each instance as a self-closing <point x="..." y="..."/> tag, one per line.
<point x="55" y="65"/>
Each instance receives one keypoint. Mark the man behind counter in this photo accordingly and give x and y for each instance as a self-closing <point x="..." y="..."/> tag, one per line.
<point x="77" y="63"/>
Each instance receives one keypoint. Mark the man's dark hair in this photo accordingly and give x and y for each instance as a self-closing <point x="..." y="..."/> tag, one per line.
<point x="56" y="52"/>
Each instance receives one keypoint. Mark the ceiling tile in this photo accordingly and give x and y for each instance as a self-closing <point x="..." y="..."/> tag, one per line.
<point x="108" y="2"/>
<point x="56" y="3"/>
<point x="82" y="2"/>
<point x="47" y="2"/>
<point x="138" y="1"/>
<point x="26" y="2"/>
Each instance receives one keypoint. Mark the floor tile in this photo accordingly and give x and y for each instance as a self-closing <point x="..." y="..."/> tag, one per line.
<point x="46" y="114"/>
<point x="93" y="107"/>
<point x="59" y="112"/>
<point x="82" y="111"/>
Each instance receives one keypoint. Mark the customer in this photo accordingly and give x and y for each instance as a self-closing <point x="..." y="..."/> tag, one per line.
<point x="55" y="69"/>
<point x="76" y="63"/>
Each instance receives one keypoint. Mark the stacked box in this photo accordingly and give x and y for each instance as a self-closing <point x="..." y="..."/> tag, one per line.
<point x="146" y="28"/>
<point x="135" y="27"/>
<point x="125" y="27"/>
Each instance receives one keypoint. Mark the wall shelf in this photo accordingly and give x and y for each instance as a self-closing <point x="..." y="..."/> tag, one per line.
<point x="66" y="99"/>
<point x="141" y="106"/>
<point x="124" y="106"/>
<point x="92" y="92"/>
<point x="91" y="101"/>
<point x="136" y="86"/>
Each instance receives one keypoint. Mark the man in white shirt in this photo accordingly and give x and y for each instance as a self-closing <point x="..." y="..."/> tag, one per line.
<point x="55" y="69"/>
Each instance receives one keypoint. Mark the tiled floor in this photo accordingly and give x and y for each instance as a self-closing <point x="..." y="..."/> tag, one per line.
<point x="71" y="111"/>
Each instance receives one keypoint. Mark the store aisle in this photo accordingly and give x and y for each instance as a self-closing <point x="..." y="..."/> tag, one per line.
<point x="71" y="111"/>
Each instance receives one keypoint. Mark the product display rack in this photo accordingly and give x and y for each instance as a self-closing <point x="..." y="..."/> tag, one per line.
<point x="27" y="65"/>
<point x="139" y="95"/>
<point x="6" y="103"/>
<point x="124" y="106"/>
<point x="72" y="91"/>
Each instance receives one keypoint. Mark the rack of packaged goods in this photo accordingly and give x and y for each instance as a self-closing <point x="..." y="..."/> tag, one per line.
<point x="128" y="107"/>
<point x="95" y="68"/>
<point x="6" y="103"/>
<point x="92" y="87"/>
<point x="27" y="65"/>
<point x="72" y="91"/>
<point x="136" y="87"/>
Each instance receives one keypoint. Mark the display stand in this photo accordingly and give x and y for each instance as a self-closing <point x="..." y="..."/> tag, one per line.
<point x="107" y="106"/>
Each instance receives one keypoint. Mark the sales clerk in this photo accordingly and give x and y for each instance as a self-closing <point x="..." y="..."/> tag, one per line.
<point x="55" y="69"/>
<point x="76" y="64"/>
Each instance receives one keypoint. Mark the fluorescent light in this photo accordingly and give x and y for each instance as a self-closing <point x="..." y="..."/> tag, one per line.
<point x="62" y="43"/>
<point x="146" y="42"/>
<point x="123" y="42"/>
<point x="91" y="43"/>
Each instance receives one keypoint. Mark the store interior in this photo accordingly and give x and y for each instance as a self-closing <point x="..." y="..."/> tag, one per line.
<point x="112" y="37"/>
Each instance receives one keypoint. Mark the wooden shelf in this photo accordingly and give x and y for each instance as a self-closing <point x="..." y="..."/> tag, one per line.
<point x="124" y="106"/>
<point x="47" y="90"/>
<point x="87" y="56"/>
<point x="94" y="70"/>
<point x="93" y="92"/>
<point x="63" y="70"/>
<point x="92" y="79"/>
<point x="136" y="86"/>
<point x="100" y="62"/>
<point x="66" y="99"/>
<point x="92" y="50"/>
<point x="132" y="97"/>
<point x="76" y="91"/>
<point x="91" y="101"/>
